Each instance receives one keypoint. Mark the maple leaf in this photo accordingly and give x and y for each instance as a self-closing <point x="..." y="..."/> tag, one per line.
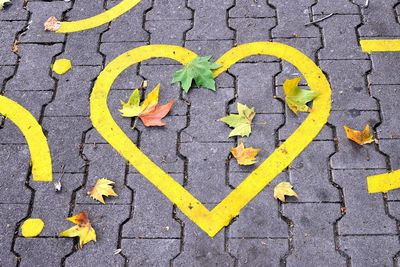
<point x="360" y="137"/>
<point x="297" y="98"/>
<point x="284" y="189"/>
<point x="199" y="70"/>
<point x="3" y="3"/>
<point x="240" y="122"/>
<point x="150" y="113"/>
<point x="83" y="229"/>
<point x="103" y="187"/>
<point x="245" y="156"/>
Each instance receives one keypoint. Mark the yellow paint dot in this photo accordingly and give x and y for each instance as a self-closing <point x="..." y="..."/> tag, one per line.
<point x="62" y="66"/>
<point x="32" y="227"/>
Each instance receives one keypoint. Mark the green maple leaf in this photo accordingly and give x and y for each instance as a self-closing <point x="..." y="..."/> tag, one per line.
<point x="297" y="98"/>
<point x="199" y="70"/>
<point x="3" y="2"/>
<point x="240" y="122"/>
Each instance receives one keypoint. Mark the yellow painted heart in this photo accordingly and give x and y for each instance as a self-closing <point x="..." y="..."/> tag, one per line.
<point x="212" y="221"/>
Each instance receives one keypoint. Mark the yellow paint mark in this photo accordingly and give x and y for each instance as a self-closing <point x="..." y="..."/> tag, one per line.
<point x="37" y="142"/>
<point x="62" y="66"/>
<point x="98" y="20"/>
<point x="383" y="183"/>
<point x="386" y="45"/>
<point x="32" y="227"/>
<point x="212" y="221"/>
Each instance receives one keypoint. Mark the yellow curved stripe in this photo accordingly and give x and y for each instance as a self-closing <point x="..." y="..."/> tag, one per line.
<point x="384" y="45"/>
<point x="212" y="221"/>
<point x="383" y="183"/>
<point x="98" y="20"/>
<point x="37" y="142"/>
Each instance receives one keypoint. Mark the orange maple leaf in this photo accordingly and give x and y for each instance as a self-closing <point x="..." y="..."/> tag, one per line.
<point x="360" y="137"/>
<point x="154" y="116"/>
<point x="245" y="156"/>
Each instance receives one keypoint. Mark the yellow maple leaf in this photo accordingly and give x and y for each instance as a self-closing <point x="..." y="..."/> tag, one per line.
<point x="360" y="137"/>
<point x="284" y="189"/>
<point x="297" y="98"/>
<point x="83" y="229"/>
<point x="245" y="156"/>
<point x="132" y="108"/>
<point x="103" y="187"/>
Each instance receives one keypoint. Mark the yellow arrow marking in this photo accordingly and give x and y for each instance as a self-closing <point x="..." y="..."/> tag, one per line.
<point x="212" y="221"/>
<point x="388" y="181"/>
<point x="98" y="20"/>
<point x="37" y="142"/>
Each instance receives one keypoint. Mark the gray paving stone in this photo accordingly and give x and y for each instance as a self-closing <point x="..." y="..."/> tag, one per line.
<point x="389" y="97"/>
<point x="83" y="9"/>
<point x="128" y="27"/>
<point x="313" y="236"/>
<point x="350" y="154"/>
<point x="6" y="72"/>
<point x="152" y="213"/>
<point x="383" y="65"/>
<point x="175" y="34"/>
<point x="391" y="148"/>
<point x="292" y="16"/>
<point x="15" y="11"/>
<point x="34" y="68"/>
<point x="106" y="220"/>
<point x="205" y="127"/>
<point x="8" y="32"/>
<point x="150" y="252"/>
<point x="365" y="213"/>
<point x="73" y="89"/>
<point x="33" y="101"/>
<point x="40" y="12"/>
<point x="261" y="217"/>
<point x="169" y="10"/>
<point x="348" y="84"/>
<point x="113" y="170"/>
<point x="370" y="250"/>
<point x="206" y="170"/>
<point x="255" y="90"/>
<point x="14" y="168"/>
<point x="308" y="46"/>
<point x="42" y="252"/>
<point x="201" y="250"/>
<point x="340" y="39"/>
<point x="11" y="214"/>
<point x="207" y="26"/>
<point x="310" y="176"/>
<point x="258" y="252"/>
<point x="261" y="27"/>
<point x="339" y="6"/>
<point x="53" y="207"/>
<point x="263" y="136"/>
<point x="249" y="9"/>
<point x="66" y="147"/>
<point x="129" y="78"/>
<point x="380" y="20"/>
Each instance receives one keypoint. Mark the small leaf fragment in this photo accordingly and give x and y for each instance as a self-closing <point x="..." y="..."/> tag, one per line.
<point x="103" y="187"/>
<point x="284" y="189"/>
<point x="245" y="156"/>
<point x="200" y="70"/>
<point x="83" y="229"/>
<point x="240" y="122"/>
<point x="32" y="227"/>
<point x="297" y="98"/>
<point x="360" y="137"/>
<point x="51" y="24"/>
<point x="62" y="66"/>
<point x="3" y="3"/>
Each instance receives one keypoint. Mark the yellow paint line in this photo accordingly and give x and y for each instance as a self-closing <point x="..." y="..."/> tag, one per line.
<point x="37" y="142"/>
<point x="386" y="45"/>
<point x="383" y="183"/>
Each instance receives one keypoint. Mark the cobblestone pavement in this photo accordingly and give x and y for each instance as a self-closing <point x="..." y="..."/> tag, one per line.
<point x="334" y="222"/>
